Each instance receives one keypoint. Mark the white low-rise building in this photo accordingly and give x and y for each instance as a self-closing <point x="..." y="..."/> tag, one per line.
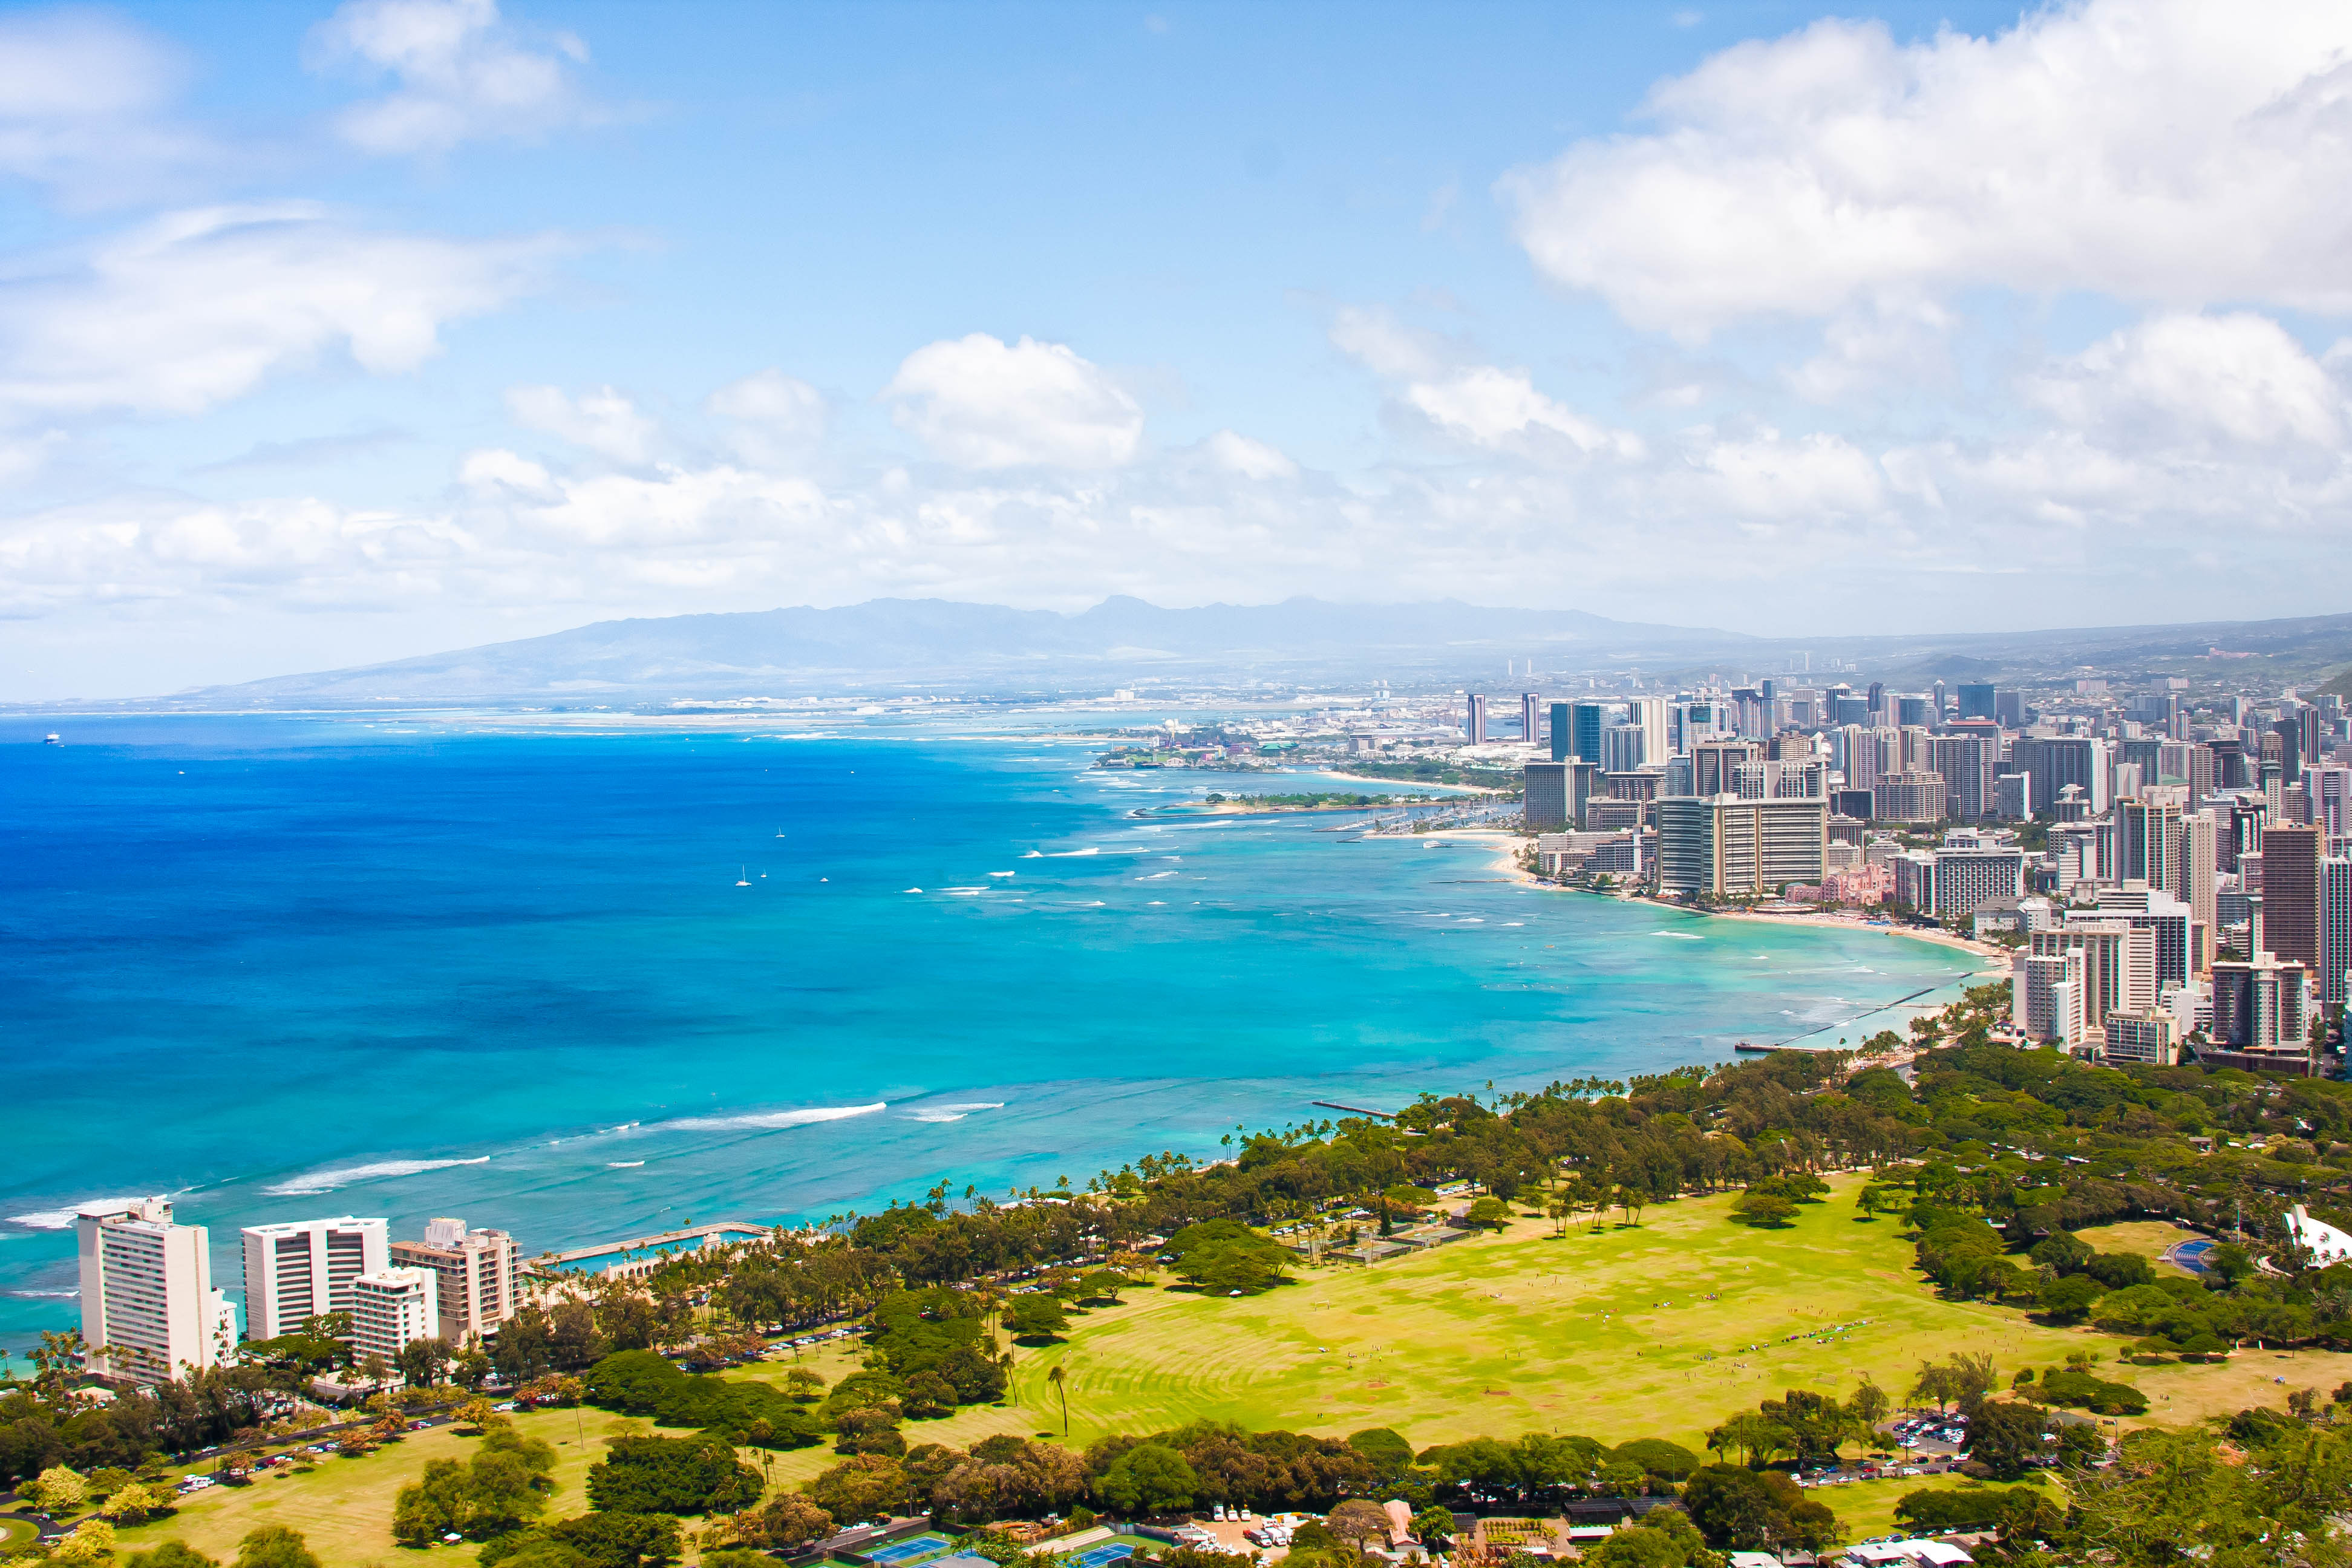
<point x="2328" y="1243"/>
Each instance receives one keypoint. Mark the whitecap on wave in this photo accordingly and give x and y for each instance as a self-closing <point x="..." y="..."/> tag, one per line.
<point x="944" y="1113"/>
<point x="768" y="1120"/>
<point x="317" y="1182"/>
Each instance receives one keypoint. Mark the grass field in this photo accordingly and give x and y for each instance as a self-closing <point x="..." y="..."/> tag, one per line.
<point x="1633" y="1331"/>
<point x="344" y="1506"/>
<point x="1866" y="1509"/>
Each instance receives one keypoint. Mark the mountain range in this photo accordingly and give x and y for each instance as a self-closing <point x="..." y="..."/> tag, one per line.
<point x="938" y="645"/>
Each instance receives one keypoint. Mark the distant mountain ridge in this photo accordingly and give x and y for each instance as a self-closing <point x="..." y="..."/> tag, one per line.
<point x="953" y="648"/>
<point x="967" y="645"/>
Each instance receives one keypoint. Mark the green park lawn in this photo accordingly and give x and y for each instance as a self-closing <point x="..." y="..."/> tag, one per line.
<point x="344" y="1506"/>
<point x="1866" y="1509"/>
<point x="1632" y="1332"/>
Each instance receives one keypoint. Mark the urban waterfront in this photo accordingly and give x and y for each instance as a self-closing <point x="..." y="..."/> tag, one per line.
<point x="450" y="968"/>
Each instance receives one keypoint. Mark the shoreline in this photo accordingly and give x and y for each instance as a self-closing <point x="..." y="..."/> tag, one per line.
<point x="1990" y="963"/>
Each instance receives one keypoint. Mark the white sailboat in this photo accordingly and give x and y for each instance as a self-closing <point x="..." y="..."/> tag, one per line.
<point x="741" y="880"/>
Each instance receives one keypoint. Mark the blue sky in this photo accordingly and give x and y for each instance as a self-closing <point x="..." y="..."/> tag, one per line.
<point x="336" y="333"/>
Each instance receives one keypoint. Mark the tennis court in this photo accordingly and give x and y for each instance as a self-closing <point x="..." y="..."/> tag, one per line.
<point x="1098" y="1556"/>
<point x="907" y="1551"/>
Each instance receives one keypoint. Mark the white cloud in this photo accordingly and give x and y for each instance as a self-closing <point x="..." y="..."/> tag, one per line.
<point x="2160" y="149"/>
<point x="463" y="75"/>
<point x="1496" y="409"/>
<point x="771" y="417"/>
<point x="1237" y="454"/>
<point x="978" y="403"/>
<point x="1385" y="346"/>
<point x="2220" y="382"/>
<point x="600" y="420"/>
<point x="1484" y="406"/>
<point x="86" y="103"/>
<point x="198" y="307"/>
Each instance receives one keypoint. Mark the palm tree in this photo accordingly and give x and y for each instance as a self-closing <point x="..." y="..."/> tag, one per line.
<point x="1060" y="1380"/>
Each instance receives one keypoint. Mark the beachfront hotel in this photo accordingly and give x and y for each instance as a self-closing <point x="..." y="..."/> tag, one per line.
<point x="300" y="1268"/>
<point x="148" y="1306"/>
<point x="473" y="1274"/>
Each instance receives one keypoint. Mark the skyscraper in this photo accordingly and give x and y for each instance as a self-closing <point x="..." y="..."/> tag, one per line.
<point x="2147" y="838"/>
<point x="1966" y="762"/>
<point x="2336" y="940"/>
<point x="1563" y="737"/>
<point x="1624" y="748"/>
<point x="1544" y="803"/>
<point x="1530" y="716"/>
<point x="2330" y="789"/>
<point x="2194" y="884"/>
<point x="1977" y="701"/>
<point x="1650" y="714"/>
<point x="1474" y="722"/>
<point x="1714" y="765"/>
<point x="1723" y="847"/>
<point x="2201" y="775"/>
<point x="1588" y="720"/>
<point x="2292" y="893"/>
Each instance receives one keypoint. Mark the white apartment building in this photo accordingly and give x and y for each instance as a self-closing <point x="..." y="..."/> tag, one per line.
<point x="148" y="1306"/>
<point x="390" y="1308"/>
<point x="302" y="1268"/>
<point x="2049" y="988"/>
<point x="475" y="1272"/>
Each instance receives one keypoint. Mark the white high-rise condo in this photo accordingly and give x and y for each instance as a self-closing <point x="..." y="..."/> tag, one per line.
<point x="148" y="1306"/>
<point x="303" y="1267"/>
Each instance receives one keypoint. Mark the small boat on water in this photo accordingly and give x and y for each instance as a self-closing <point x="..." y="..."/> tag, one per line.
<point x="742" y="881"/>
<point x="53" y="740"/>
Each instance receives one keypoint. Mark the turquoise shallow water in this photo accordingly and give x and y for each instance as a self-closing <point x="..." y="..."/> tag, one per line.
<point x="281" y="968"/>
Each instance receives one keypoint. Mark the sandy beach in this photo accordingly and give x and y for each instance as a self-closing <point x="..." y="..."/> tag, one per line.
<point x="1991" y="962"/>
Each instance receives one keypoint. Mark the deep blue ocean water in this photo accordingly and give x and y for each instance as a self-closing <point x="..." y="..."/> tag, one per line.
<point x="280" y="968"/>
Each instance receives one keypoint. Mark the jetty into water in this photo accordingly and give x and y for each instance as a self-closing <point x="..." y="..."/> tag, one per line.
<point x="645" y="1253"/>
<point x="1791" y="1043"/>
<point x="1353" y="1110"/>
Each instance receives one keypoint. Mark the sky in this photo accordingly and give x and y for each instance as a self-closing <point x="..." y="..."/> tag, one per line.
<point x="336" y="333"/>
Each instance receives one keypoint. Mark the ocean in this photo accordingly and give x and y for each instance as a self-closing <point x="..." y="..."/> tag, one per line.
<point x="284" y="967"/>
